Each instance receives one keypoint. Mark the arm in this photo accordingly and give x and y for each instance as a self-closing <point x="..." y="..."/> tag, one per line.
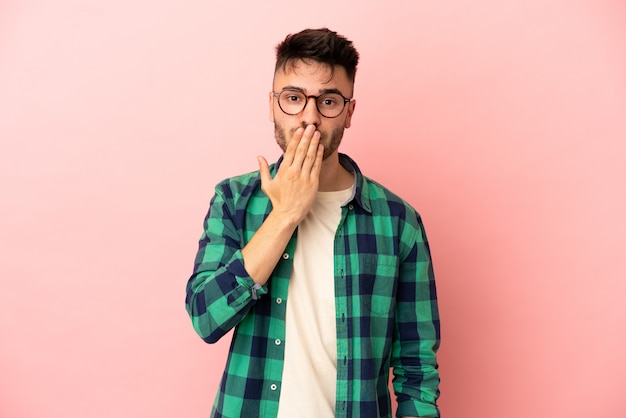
<point x="222" y="289"/>
<point x="291" y="192"/>
<point x="416" y="336"/>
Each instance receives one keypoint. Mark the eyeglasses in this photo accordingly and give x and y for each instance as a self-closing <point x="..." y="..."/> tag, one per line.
<point x="292" y="102"/>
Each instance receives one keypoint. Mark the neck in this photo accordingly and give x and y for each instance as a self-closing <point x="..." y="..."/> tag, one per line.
<point x="334" y="176"/>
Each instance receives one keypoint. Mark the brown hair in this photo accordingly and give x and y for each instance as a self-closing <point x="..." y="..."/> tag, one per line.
<point x="321" y="45"/>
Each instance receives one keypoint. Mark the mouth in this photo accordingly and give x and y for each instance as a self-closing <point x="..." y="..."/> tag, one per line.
<point x="322" y="136"/>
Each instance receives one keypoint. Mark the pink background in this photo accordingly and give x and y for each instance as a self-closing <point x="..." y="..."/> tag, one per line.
<point x="504" y="123"/>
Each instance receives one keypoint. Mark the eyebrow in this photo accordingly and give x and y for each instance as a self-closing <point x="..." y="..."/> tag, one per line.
<point x="321" y="91"/>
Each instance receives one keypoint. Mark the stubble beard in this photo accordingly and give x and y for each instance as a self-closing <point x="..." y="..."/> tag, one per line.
<point x="330" y="144"/>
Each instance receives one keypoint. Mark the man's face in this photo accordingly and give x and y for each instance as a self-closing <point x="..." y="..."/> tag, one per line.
<point x="311" y="78"/>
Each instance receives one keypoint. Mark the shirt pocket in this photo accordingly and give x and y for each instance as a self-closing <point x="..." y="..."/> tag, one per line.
<point x="377" y="284"/>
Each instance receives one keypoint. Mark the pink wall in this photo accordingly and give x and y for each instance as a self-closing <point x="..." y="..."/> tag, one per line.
<point x="504" y="123"/>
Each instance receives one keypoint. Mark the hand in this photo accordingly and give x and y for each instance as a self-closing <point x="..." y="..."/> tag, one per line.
<point x="293" y="189"/>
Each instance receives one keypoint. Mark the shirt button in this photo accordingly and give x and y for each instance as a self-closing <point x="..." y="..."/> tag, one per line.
<point x="285" y="256"/>
<point x="350" y="207"/>
<point x="279" y="300"/>
<point x="273" y="386"/>
<point x="277" y="341"/>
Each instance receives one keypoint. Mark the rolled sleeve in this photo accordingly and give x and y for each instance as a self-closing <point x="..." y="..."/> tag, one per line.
<point x="220" y="292"/>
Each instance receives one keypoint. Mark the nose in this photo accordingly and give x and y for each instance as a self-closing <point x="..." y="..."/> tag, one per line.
<point x="310" y="114"/>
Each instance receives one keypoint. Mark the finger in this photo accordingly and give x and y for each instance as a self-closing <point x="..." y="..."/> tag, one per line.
<point x="317" y="164"/>
<point x="264" y="169"/>
<point x="291" y="147"/>
<point x="311" y="153"/>
<point x="303" y="146"/>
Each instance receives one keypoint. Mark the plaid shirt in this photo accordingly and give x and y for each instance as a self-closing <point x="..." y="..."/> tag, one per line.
<point x="385" y="298"/>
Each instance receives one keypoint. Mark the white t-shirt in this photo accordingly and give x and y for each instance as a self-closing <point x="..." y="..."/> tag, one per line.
<point x="310" y="366"/>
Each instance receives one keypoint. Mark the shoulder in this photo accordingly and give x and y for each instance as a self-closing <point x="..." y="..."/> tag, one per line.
<point x="239" y="186"/>
<point x="376" y="198"/>
<point x="385" y="202"/>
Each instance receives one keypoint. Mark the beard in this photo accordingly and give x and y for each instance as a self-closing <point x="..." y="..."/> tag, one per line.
<point x="330" y="141"/>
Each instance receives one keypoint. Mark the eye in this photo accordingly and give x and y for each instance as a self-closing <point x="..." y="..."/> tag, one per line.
<point x="292" y="97"/>
<point x="329" y="101"/>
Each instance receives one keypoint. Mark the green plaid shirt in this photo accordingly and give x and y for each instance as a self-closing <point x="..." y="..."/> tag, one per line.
<point x="385" y="298"/>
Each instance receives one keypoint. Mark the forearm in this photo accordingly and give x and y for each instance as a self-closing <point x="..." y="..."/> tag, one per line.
<point x="262" y="252"/>
<point x="221" y="291"/>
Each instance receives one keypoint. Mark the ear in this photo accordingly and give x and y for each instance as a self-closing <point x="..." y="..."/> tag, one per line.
<point x="350" y="112"/>
<point x="271" y="103"/>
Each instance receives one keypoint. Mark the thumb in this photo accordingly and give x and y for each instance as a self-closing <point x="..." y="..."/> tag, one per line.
<point x="264" y="169"/>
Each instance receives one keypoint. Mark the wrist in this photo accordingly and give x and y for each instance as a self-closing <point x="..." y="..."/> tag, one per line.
<point x="284" y="219"/>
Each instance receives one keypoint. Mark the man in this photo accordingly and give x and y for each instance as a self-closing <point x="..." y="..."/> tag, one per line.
<point x="324" y="275"/>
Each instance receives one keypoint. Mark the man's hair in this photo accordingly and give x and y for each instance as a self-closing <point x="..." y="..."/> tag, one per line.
<point x="321" y="45"/>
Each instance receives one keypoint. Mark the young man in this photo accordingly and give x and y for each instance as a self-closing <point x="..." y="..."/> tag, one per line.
<point x="325" y="275"/>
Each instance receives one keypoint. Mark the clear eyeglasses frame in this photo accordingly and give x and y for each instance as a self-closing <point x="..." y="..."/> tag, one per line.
<point x="330" y="105"/>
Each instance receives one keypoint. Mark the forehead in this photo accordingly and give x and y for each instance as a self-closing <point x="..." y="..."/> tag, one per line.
<point x="312" y="76"/>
